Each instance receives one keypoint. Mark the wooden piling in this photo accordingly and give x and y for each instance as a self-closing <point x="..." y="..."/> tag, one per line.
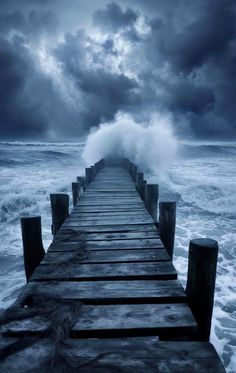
<point x="93" y="168"/>
<point x="82" y="181"/>
<point x="142" y="190"/>
<point x="60" y="210"/>
<point x="167" y="220"/>
<point x="134" y="172"/>
<point x="89" y="175"/>
<point x="139" y="180"/>
<point x="151" y="199"/>
<point x="200" y="287"/>
<point x="32" y="243"/>
<point x="75" y="192"/>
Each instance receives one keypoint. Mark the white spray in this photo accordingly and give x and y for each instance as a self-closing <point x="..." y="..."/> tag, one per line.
<point x="152" y="146"/>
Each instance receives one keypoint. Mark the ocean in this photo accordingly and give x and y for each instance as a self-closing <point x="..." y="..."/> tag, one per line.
<point x="202" y="179"/>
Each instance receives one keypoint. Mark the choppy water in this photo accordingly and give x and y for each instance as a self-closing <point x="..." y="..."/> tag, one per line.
<point x="202" y="180"/>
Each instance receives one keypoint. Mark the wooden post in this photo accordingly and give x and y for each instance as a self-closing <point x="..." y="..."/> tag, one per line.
<point x="131" y="165"/>
<point x="97" y="166"/>
<point x="88" y="173"/>
<point x="60" y="210"/>
<point x="142" y="190"/>
<point x="151" y="199"/>
<point x="139" y="181"/>
<point x="93" y="168"/>
<point x="75" y="192"/>
<point x="167" y="219"/>
<point x="82" y="181"/>
<point x="134" y="172"/>
<point x="202" y="262"/>
<point x="32" y="243"/>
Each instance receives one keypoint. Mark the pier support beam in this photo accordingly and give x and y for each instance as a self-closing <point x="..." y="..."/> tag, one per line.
<point x="142" y="190"/>
<point x="139" y="181"/>
<point x="89" y="175"/>
<point x="75" y="192"/>
<point x="167" y="220"/>
<point x="32" y="243"/>
<point x="151" y="199"/>
<point x="200" y="287"/>
<point x="60" y="210"/>
<point x="82" y="181"/>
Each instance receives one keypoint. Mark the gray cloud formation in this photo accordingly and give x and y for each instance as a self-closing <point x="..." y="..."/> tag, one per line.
<point x="139" y="57"/>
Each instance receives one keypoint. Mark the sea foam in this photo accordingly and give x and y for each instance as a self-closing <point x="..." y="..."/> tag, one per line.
<point x="152" y="146"/>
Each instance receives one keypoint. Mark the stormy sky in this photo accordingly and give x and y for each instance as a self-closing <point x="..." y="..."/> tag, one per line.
<point x="67" y="66"/>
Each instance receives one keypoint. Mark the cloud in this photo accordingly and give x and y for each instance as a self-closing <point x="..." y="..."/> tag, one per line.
<point x="102" y="92"/>
<point x="113" y="18"/>
<point x="34" y="24"/>
<point x="200" y="39"/>
<point x="20" y="112"/>
<point x="136" y="57"/>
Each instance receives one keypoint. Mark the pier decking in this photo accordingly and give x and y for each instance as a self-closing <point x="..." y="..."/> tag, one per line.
<point x="110" y="289"/>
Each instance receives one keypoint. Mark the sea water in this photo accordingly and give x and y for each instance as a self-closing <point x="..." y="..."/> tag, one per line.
<point x="202" y="180"/>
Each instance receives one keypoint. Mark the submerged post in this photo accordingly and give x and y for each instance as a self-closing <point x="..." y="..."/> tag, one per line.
<point x="202" y="262"/>
<point x="60" y="210"/>
<point x="32" y="243"/>
<point x="167" y="220"/>
<point x="151" y="199"/>
<point x="75" y="192"/>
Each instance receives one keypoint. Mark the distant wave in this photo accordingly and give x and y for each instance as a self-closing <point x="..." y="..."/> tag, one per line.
<point x="42" y="144"/>
<point x="207" y="150"/>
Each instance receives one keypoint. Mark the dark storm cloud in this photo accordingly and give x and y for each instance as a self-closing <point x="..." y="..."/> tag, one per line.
<point x="136" y="56"/>
<point x="20" y="112"/>
<point x="208" y="35"/>
<point x="195" y="43"/>
<point x="34" y="24"/>
<point x="103" y="92"/>
<point x="114" y="18"/>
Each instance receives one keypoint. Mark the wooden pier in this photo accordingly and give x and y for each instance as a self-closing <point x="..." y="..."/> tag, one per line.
<point x="106" y="296"/>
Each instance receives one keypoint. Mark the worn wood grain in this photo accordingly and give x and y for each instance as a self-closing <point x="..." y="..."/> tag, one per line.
<point x="149" y="227"/>
<point x="68" y="235"/>
<point x="67" y="271"/>
<point x="109" y="256"/>
<point x="124" y="355"/>
<point x="114" y="292"/>
<point x="115" y="320"/>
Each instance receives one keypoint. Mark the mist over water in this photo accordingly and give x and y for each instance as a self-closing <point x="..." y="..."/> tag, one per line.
<point x="199" y="176"/>
<point x="152" y="146"/>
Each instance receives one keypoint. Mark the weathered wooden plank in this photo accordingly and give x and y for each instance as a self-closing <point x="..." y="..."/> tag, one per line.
<point x="111" y="188"/>
<point x="124" y="355"/>
<point x="138" y="319"/>
<point x="107" y="221"/>
<point x="69" y="235"/>
<point x="125" y="192"/>
<point x="116" y="320"/>
<point x="150" y="227"/>
<point x="118" y="197"/>
<point x="106" y="245"/>
<point x="109" y="256"/>
<point x="110" y="203"/>
<point x="113" y="292"/>
<point x="110" y="215"/>
<point x="100" y="209"/>
<point x="69" y="271"/>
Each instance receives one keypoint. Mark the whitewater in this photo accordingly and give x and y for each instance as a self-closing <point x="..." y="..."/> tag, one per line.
<point x="201" y="179"/>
